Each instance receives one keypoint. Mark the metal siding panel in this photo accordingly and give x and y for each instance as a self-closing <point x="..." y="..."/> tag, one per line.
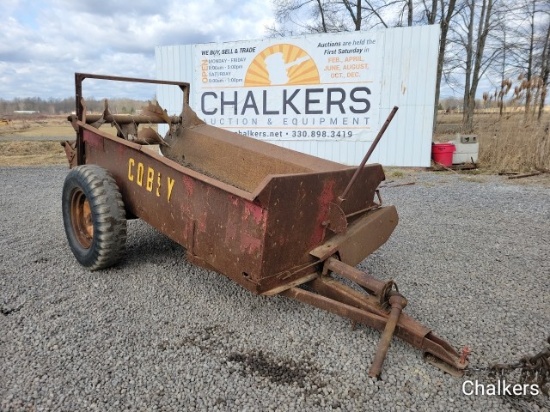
<point x="173" y="63"/>
<point x="325" y="150"/>
<point x="392" y="66"/>
<point x="418" y="78"/>
<point x="410" y="61"/>
<point x="407" y="122"/>
<point x="162" y="66"/>
<point x="314" y="149"/>
<point x="353" y="152"/>
<point x="424" y="94"/>
<point x="385" y="98"/>
<point x="431" y="73"/>
<point x="419" y="75"/>
<point x="336" y="151"/>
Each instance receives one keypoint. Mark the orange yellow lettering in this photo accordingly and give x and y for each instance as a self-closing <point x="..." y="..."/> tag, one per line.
<point x="131" y="164"/>
<point x="150" y="178"/>
<point x="140" y="171"/>
<point x="170" y="187"/>
<point x="158" y="184"/>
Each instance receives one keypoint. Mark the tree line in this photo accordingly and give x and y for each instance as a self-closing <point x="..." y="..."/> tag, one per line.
<point x="506" y="42"/>
<point x="67" y="105"/>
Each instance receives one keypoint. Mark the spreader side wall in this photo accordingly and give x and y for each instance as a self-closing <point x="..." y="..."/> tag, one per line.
<point x="298" y="218"/>
<point x="221" y="230"/>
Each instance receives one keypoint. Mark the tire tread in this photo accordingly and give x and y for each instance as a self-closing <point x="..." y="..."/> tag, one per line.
<point x="108" y="214"/>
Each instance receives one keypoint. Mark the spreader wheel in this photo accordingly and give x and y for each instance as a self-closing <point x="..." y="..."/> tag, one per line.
<point x="94" y="217"/>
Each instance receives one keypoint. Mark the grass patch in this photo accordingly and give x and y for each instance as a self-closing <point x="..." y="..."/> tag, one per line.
<point x="25" y="153"/>
<point x="509" y="143"/>
<point x="397" y="173"/>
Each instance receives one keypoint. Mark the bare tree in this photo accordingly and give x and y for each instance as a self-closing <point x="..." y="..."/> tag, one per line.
<point x="531" y="12"/>
<point x="355" y="12"/>
<point x="471" y="31"/>
<point x="430" y="11"/>
<point x="66" y="105"/>
<point x="322" y="14"/>
<point x="299" y="13"/>
<point x="500" y="71"/>
<point x="529" y="52"/>
<point x="339" y="15"/>
<point x="308" y="16"/>
<point x="545" y="69"/>
<point x="446" y="14"/>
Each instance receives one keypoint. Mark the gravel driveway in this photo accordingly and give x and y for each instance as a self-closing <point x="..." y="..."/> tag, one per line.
<point x="472" y="255"/>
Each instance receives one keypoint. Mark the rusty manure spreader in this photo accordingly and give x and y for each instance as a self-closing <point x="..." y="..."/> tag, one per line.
<point x="273" y="220"/>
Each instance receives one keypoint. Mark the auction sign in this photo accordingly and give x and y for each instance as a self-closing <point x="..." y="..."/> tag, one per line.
<point x="288" y="89"/>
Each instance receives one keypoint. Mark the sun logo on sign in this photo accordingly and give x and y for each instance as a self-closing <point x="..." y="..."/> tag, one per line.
<point x="281" y="64"/>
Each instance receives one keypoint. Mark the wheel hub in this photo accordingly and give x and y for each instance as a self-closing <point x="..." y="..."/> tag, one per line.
<point x="81" y="218"/>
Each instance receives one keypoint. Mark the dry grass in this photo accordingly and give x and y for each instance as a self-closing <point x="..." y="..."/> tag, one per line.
<point x="25" y="153"/>
<point x="37" y="126"/>
<point x="505" y="144"/>
<point x="35" y="140"/>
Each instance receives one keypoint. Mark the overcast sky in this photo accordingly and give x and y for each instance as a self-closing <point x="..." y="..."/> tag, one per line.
<point x="44" y="42"/>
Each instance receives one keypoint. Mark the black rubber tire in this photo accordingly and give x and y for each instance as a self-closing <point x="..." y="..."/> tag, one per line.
<point x="94" y="217"/>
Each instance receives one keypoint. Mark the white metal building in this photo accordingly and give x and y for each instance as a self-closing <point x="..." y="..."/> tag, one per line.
<point x="300" y="92"/>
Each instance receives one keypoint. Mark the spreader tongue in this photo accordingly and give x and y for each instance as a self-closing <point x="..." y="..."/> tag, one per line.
<point x="380" y="307"/>
<point x="445" y="367"/>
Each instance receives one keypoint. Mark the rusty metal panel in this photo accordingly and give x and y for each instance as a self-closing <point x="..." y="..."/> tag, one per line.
<point x="362" y="238"/>
<point x="299" y="207"/>
<point x="213" y="221"/>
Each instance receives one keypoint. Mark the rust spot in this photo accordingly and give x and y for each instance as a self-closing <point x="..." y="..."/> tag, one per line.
<point x="250" y="244"/>
<point x="324" y="200"/>
<point x="189" y="185"/>
<point x="254" y="211"/>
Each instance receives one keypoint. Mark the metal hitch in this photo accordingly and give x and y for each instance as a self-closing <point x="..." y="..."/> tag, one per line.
<point x="379" y="307"/>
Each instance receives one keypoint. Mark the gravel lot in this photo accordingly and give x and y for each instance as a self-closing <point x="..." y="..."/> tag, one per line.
<point x="471" y="254"/>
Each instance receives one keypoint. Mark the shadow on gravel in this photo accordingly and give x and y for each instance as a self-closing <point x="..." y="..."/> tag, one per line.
<point x="10" y="306"/>
<point x="216" y="340"/>
<point x="277" y="370"/>
<point x="145" y="244"/>
<point x="6" y="310"/>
